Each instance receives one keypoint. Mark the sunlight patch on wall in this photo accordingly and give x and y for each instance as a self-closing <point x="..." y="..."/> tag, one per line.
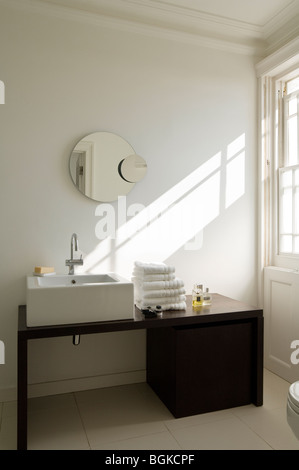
<point x="235" y="171"/>
<point x="177" y="225"/>
<point x="173" y="206"/>
<point x="162" y="227"/>
<point x="174" y="220"/>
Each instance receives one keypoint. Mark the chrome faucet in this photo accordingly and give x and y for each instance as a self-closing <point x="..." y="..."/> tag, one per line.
<point x="71" y="262"/>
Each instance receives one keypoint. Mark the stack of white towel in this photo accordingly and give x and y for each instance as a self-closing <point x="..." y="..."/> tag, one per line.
<point x="156" y="284"/>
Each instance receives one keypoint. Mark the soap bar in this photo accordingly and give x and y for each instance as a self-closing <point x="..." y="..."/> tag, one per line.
<point x="43" y="269"/>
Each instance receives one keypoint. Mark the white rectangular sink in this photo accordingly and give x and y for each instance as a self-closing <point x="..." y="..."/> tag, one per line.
<point x="78" y="298"/>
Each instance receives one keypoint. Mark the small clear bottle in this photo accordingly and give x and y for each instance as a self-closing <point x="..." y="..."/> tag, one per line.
<point x="207" y="298"/>
<point x="197" y="296"/>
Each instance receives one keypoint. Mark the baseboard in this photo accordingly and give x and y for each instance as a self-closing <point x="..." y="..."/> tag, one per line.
<point x="76" y="385"/>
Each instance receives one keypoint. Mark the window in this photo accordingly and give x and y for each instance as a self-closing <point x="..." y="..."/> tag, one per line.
<point x="278" y="168"/>
<point x="288" y="168"/>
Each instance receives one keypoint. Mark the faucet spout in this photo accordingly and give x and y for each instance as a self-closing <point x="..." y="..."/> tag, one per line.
<point x="72" y="262"/>
<point x="74" y="244"/>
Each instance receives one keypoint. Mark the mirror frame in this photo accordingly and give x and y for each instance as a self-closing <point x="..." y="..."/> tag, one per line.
<point x="104" y="166"/>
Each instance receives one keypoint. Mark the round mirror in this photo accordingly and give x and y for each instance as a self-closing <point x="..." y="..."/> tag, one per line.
<point x="104" y="166"/>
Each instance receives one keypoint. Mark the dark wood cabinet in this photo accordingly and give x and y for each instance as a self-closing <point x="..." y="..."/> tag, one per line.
<point x="203" y="368"/>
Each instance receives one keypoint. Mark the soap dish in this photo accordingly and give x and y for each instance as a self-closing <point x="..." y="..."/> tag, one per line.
<point x="43" y="274"/>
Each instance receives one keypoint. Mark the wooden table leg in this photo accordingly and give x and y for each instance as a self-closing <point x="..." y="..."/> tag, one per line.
<point x="258" y="359"/>
<point x="22" y="394"/>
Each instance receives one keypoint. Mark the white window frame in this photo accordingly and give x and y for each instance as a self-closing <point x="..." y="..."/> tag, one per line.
<point x="286" y="100"/>
<point x="280" y="66"/>
<point x="285" y="165"/>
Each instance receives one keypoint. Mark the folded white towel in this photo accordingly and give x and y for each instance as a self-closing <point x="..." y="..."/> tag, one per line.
<point x="152" y="277"/>
<point x="153" y="268"/>
<point x="156" y="284"/>
<point x="174" y="306"/>
<point x="159" y="293"/>
<point x="175" y="284"/>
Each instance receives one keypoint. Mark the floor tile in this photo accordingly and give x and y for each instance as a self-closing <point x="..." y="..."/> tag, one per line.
<point x="56" y="429"/>
<point x="8" y="425"/>
<point x="225" y="434"/>
<point x="65" y="401"/>
<point x="123" y="412"/>
<point x="180" y="423"/>
<point x="275" y="391"/>
<point x="272" y="426"/>
<point x="160" y="441"/>
<point x="8" y="433"/>
<point x="133" y="417"/>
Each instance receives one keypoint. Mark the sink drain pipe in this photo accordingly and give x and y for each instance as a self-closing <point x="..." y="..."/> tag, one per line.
<point x="76" y="340"/>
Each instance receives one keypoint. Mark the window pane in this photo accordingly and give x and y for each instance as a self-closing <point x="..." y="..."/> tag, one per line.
<point x="292" y="141"/>
<point x="296" y="212"/>
<point x="293" y="106"/>
<point x="286" y="212"/>
<point x="293" y="85"/>
<point x="289" y="211"/>
<point x="286" y="244"/>
<point x="286" y="179"/>
<point x="296" y="245"/>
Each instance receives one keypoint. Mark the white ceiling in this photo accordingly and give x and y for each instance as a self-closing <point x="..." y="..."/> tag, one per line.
<point x="247" y="26"/>
<point x="257" y="12"/>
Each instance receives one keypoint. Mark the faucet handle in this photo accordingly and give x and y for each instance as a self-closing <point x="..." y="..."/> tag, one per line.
<point x="78" y="261"/>
<point x="71" y="262"/>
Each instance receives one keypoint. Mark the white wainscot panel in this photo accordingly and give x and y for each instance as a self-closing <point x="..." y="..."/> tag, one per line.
<point x="281" y="313"/>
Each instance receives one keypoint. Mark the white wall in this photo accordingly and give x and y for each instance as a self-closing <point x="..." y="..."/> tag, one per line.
<point x="180" y="106"/>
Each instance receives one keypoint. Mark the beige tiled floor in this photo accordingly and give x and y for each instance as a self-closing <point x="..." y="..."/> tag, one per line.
<point x="133" y="417"/>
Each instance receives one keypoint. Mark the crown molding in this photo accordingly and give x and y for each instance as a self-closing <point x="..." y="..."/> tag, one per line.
<point x="281" y="20"/>
<point x="282" y="29"/>
<point x="160" y="19"/>
<point x="281" y="60"/>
